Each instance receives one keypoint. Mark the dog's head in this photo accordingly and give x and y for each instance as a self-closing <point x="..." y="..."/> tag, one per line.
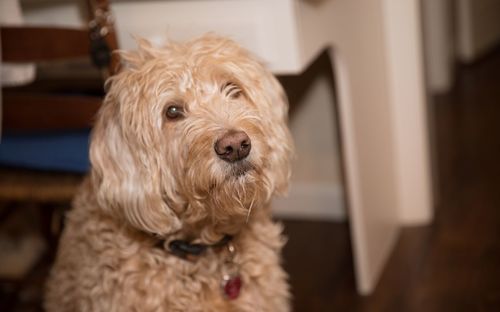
<point x="190" y="135"/>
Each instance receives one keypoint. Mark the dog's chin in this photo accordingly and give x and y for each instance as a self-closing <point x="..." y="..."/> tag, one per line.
<point x="240" y="170"/>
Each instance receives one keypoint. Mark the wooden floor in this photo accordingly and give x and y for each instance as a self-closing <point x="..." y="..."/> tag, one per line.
<point x="453" y="265"/>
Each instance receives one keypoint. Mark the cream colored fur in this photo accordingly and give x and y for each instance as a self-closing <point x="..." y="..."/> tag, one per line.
<point x="156" y="177"/>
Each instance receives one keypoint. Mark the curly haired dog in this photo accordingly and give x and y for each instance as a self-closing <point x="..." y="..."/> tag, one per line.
<point x="188" y="148"/>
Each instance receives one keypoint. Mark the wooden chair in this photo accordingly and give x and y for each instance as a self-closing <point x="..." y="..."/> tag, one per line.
<point x="54" y="108"/>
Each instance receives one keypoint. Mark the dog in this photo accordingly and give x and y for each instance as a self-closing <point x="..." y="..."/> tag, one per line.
<point x="188" y="149"/>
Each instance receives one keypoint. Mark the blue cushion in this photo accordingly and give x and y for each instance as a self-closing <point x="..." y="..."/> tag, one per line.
<point x="61" y="151"/>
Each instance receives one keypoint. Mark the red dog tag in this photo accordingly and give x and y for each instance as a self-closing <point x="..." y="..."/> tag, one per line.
<point x="232" y="286"/>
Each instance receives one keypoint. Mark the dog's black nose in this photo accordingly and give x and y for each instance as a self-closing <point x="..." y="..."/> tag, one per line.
<point x="233" y="146"/>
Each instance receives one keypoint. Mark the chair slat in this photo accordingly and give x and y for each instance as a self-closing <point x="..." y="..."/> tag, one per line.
<point x="32" y="111"/>
<point x="35" y="44"/>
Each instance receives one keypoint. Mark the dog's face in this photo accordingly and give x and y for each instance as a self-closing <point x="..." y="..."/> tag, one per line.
<point x="190" y="136"/>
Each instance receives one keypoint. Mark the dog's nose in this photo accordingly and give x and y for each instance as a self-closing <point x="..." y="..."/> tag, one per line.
<point x="233" y="146"/>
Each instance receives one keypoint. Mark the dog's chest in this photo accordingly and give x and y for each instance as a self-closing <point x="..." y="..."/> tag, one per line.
<point x="167" y="283"/>
<point x="112" y="271"/>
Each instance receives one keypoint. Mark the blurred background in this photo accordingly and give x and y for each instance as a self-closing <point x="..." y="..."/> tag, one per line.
<point x="394" y="104"/>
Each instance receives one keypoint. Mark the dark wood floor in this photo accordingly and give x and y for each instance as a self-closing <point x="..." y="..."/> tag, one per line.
<point x="452" y="265"/>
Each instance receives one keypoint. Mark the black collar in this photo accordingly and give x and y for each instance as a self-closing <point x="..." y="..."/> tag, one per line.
<point x="187" y="250"/>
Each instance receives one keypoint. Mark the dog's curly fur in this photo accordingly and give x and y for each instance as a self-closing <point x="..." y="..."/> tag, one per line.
<point x="157" y="177"/>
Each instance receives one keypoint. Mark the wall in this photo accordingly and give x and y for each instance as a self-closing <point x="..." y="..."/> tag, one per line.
<point x="438" y="44"/>
<point x="316" y="190"/>
<point x="478" y="27"/>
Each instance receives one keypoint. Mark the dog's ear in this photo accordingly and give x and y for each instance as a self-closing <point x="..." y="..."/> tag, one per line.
<point x="125" y="174"/>
<point x="274" y="96"/>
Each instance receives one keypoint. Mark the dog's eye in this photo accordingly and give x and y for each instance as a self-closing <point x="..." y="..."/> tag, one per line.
<point x="174" y="112"/>
<point x="231" y="90"/>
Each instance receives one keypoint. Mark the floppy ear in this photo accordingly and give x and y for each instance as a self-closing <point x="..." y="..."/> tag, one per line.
<point x="281" y="138"/>
<point x="125" y="175"/>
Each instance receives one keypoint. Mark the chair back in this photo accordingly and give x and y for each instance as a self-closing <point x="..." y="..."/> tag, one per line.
<point x="37" y="108"/>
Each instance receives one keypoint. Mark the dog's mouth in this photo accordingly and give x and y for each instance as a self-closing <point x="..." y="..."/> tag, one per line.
<point x="241" y="168"/>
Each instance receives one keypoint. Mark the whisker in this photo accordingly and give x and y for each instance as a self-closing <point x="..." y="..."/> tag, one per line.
<point x="250" y="210"/>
